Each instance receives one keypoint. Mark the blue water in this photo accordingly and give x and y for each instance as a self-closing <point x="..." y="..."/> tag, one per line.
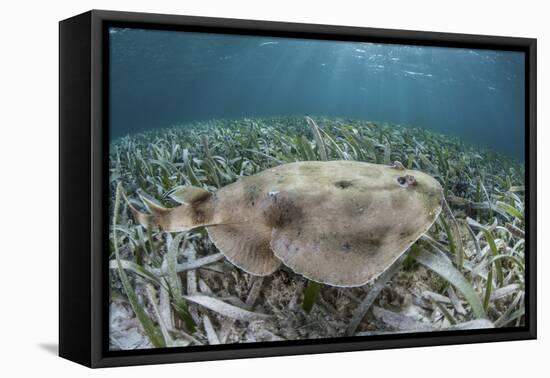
<point x="162" y="78"/>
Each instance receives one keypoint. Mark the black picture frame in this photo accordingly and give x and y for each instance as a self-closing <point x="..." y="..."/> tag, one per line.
<point x="84" y="214"/>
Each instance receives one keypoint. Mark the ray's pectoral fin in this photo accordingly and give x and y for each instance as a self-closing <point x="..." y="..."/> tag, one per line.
<point x="246" y="247"/>
<point x="339" y="258"/>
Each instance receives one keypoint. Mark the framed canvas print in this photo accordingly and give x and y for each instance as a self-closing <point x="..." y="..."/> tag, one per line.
<point x="234" y="188"/>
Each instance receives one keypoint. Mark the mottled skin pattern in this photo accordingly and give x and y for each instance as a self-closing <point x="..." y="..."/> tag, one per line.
<point x="338" y="222"/>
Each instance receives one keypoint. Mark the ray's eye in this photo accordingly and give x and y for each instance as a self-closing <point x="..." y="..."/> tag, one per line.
<point x="406" y="181"/>
<point x="343" y="184"/>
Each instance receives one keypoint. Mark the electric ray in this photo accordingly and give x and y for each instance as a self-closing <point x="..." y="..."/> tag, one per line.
<point x="340" y="223"/>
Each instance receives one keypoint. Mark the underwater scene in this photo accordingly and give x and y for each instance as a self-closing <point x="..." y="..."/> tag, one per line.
<point x="268" y="189"/>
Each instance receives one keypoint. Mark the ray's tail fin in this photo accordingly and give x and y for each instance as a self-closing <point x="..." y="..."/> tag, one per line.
<point x="143" y="219"/>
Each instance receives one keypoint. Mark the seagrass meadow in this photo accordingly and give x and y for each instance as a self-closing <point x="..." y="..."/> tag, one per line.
<point x="177" y="289"/>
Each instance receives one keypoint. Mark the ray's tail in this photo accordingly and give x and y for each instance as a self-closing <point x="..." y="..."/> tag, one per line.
<point x="195" y="210"/>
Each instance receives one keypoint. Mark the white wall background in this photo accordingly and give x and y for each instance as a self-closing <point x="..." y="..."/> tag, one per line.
<point x="29" y="189"/>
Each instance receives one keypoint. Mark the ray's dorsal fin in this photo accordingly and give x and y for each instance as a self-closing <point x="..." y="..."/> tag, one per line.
<point x="153" y="206"/>
<point x="187" y="195"/>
